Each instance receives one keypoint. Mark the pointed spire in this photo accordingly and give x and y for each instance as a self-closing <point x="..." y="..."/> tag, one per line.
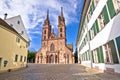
<point x="47" y="14"/>
<point x="62" y="11"/>
<point x="47" y="22"/>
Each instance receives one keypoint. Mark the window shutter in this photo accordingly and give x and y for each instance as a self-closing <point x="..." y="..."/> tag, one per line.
<point x="111" y="8"/>
<point x="105" y="15"/>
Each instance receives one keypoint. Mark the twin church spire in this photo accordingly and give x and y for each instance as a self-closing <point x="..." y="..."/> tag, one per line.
<point x="47" y="21"/>
<point x="47" y="29"/>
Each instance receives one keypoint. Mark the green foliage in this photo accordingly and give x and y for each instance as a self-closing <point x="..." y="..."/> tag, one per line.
<point x="31" y="57"/>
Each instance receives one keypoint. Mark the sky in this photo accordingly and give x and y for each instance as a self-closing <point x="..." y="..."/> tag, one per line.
<point x="33" y="13"/>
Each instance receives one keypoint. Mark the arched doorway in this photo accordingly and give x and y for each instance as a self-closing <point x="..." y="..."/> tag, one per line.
<point x="47" y="59"/>
<point x="51" y="59"/>
<point x="67" y="58"/>
<point x="56" y="59"/>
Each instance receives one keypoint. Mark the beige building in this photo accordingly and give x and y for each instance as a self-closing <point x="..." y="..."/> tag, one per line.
<point x="14" y="43"/>
<point x="54" y="48"/>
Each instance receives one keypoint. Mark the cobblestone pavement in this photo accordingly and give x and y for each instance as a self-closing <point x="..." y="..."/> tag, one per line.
<point x="56" y="72"/>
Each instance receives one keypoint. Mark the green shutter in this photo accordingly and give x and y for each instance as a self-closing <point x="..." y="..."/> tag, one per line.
<point x="94" y="28"/>
<point x="84" y="56"/>
<point x="111" y="8"/>
<point x="105" y="15"/>
<point x="92" y="56"/>
<point x="89" y="35"/>
<point x="113" y="51"/>
<point x="118" y="44"/>
<point x="88" y="55"/>
<point x="96" y="24"/>
<point x="98" y="55"/>
<point x="101" y="54"/>
<point x="92" y="7"/>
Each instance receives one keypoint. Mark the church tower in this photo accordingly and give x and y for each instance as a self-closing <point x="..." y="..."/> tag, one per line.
<point x="46" y="31"/>
<point x="61" y="26"/>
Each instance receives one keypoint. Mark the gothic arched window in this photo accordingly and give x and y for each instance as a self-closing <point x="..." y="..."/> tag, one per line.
<point x="45" y="32"/>
<point x="44" y="37"/>
<point x="52" y="47"/>
<point x="60" y="29"/>
<point x="60" y="35"/>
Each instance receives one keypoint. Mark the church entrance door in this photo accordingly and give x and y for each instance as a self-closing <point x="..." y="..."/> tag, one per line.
<point x="51" y="59"/>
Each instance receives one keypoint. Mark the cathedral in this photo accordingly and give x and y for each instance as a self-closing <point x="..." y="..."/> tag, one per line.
<point x="54" y="48"/>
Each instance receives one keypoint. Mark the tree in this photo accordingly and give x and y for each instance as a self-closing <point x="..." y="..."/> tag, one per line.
<point x="31" y="57"/>
<point x="76" y="56"/>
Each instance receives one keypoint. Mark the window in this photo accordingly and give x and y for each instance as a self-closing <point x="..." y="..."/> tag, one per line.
<point x="101" y="22"/>
<point x="21" y="58"/>
<point x="60" y="35"/>
<point x="92" y="33"/>
<point x="92" y="7"/>
<point x="111" y="8"/>
<point x="92" y="56"/>
<point x="0" y="62"/>
<point x="17" y="39"/>
<point x="118" y="44"/>
<point x="110" y="51"/>
<point x="26" y="45"/>
<point x="52" y="47"/>
<point x="95" y="56"/>
<point x="100" y="55"/>
<point x="60" y="29"/>
<point x="105" y="15"/>
<point x="18" y="22"/>
<point x="25" y="59"/>
<point x="44" y="37"/>
<point x="116" y="4"/>
<point x="16" y="58"/>
<point x="45" y="32"/>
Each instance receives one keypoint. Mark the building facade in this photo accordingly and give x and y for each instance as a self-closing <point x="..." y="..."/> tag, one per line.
<point x="13" y="44"/>
<point x="54" y="48"/>
<point x="98" y="40"/>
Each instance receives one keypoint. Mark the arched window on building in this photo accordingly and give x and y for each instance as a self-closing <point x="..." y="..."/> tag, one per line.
<point x="52" y="47"/>
<point x="60" y="29"/>
<point x="44" y="37"/>
<point x="45" y="32"/>
<point x="60" y="35"/>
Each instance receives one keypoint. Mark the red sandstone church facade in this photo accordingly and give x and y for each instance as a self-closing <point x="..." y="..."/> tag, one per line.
<point x="54" y="48"/>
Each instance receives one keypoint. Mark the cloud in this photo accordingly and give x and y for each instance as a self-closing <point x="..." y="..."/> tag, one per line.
<point x="33" y="12"/>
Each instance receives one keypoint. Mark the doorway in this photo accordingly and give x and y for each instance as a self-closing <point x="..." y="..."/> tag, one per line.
<point x="51" y="59"/>
<point x="0" y="62"/>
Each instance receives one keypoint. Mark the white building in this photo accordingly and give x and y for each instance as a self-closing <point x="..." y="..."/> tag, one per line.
<point x="98" y="40"/>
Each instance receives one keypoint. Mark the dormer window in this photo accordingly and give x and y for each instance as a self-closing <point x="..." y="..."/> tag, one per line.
<point x="18" y="22"/>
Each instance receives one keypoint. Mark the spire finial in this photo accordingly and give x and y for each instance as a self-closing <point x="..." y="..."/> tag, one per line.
<point x="48" y="14"/>
<point x="61" y="11"/>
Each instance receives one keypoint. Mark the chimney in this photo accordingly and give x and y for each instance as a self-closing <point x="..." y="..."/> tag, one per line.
<point x="5" y="16"/>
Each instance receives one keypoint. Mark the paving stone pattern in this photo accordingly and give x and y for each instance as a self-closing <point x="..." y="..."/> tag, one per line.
<point x="56" y="72"/>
